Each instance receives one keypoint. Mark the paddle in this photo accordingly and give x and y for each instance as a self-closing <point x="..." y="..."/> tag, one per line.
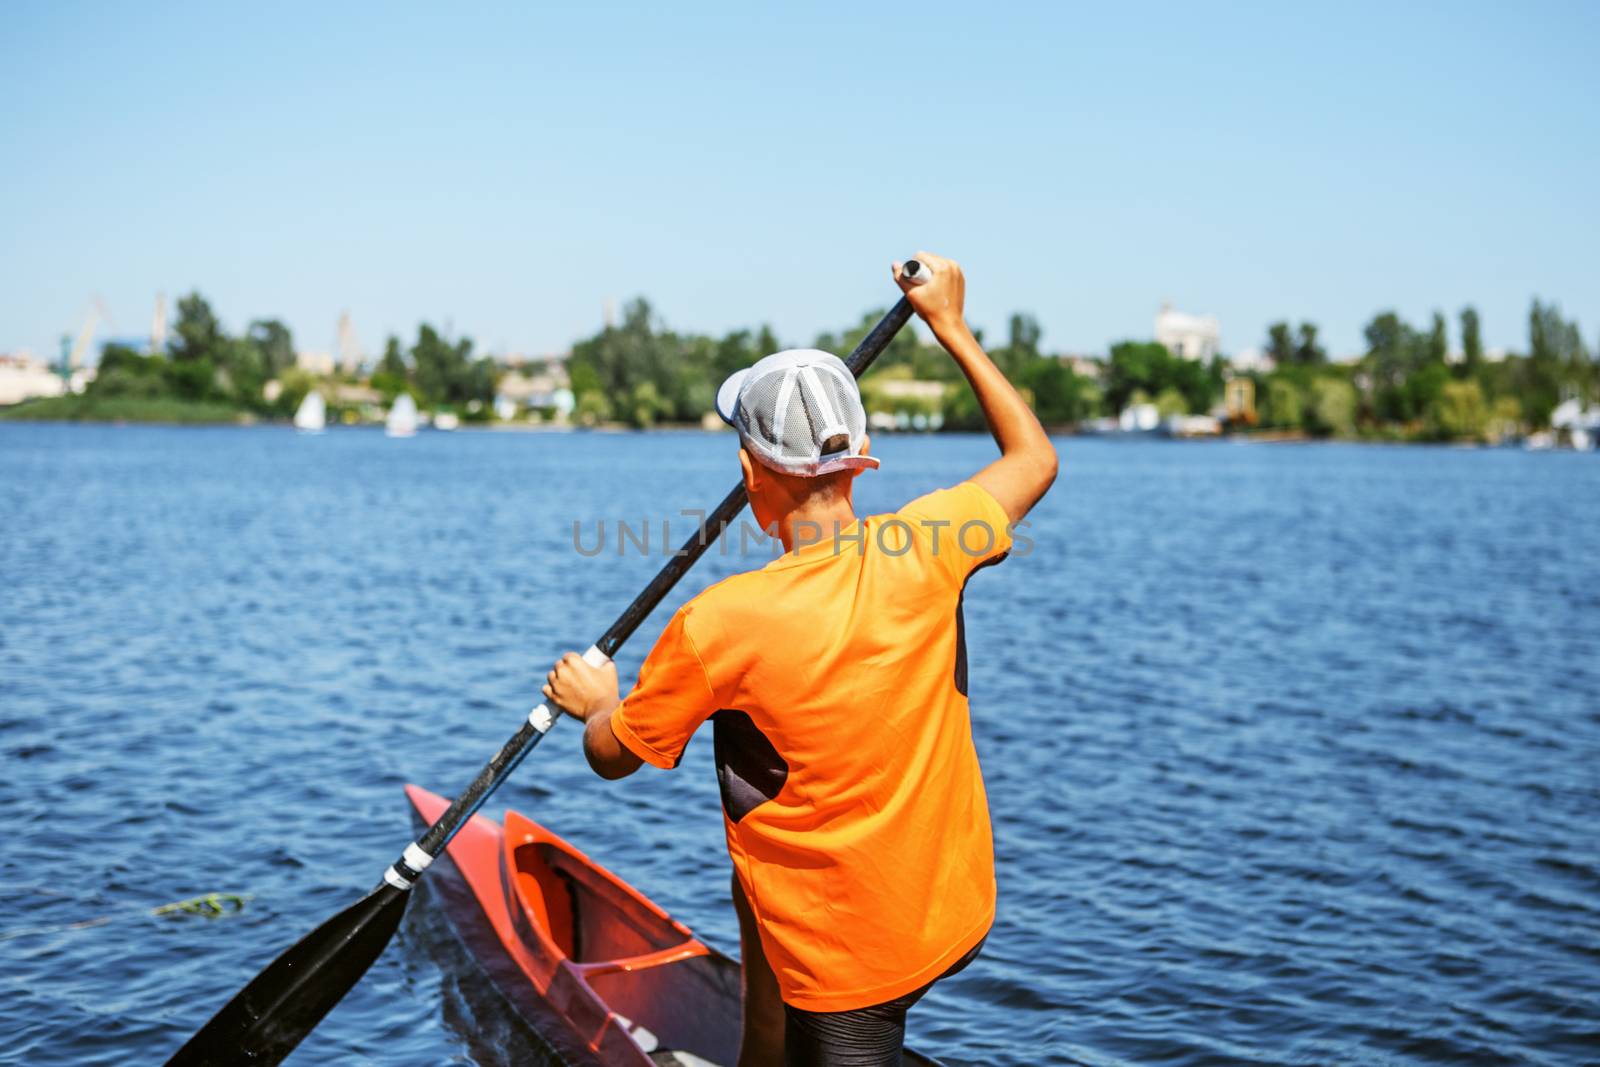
<point x="266" y="1020"/>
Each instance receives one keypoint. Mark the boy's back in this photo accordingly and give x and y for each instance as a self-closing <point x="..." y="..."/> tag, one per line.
<point x="854" y="807"/>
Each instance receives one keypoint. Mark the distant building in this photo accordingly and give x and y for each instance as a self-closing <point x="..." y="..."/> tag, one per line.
<point x="910" y="389"/>
<point x="540" y="385"/>
<point x="1085" y="366"/>
<point x="1188" y="336"/>
<point x="314" y="362"/>
<point x="1251" y="359"/>
<point x="1239" y="401"/>
<point x="23" y="377"/>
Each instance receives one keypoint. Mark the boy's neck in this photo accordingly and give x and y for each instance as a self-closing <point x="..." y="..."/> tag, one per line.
<point x="817" y="517"/>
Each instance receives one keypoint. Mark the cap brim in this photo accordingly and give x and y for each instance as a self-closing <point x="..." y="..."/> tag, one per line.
<point x="728" y="397"/>
<point x="845" y="463"/>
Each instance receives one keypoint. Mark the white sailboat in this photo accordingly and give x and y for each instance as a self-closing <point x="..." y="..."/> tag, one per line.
<point x="402" y="420"/>
<point x="312" y="414"/>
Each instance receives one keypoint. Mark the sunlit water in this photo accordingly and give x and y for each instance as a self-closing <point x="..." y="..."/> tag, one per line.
<point x="1293" y="752"/>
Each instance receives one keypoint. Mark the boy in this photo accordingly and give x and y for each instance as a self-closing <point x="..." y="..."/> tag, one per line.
<point x="836" y="678"/>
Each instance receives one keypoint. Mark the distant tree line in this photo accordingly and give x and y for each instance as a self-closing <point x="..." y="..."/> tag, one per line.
<point x="204" y="364"/>
<point x="439" y="373"/>
<point x="1406" y="385"/>
<point x="639" y="372"/>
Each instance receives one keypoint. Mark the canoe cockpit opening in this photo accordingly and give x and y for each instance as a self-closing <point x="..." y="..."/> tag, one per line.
<point x="585" y="915"/>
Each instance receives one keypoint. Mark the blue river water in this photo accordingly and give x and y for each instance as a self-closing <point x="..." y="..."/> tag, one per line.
<point x="1293" y="752"/>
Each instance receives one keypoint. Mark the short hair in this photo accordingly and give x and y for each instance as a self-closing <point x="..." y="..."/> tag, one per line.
<point x="827" y="486"/>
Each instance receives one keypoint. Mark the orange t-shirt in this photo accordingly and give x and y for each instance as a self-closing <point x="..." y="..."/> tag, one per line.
<point x="835" y="677"/>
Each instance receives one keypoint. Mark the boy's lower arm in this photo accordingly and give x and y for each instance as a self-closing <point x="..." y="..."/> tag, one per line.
<point x="1015" y="427"/>
<point x="608" y="756"/>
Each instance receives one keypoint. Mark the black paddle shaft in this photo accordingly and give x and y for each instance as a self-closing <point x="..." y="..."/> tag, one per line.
<point x="711" y="527"/>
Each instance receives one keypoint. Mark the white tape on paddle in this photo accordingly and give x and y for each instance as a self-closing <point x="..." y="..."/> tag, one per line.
<point x="543" y="717"/>
<point x="412" y="857"/>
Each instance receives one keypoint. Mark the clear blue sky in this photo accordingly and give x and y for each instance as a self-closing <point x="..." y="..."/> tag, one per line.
<point x="510" y="169"/>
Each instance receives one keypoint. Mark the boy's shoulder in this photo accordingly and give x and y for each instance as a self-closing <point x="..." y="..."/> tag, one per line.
<point x="734" y="593"/>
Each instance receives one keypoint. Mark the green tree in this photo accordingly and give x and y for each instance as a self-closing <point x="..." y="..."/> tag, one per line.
<point x="592" y="407"/>
<point x="1332" y="411"/>
<point x="734" y="352"/>
<point x="1550" y="341"/>
<point x="1290" y="347"/>
<point x="1307" y="352"/>
<point x="1438" y="346"/>
<point x="1148" y="367"/>
<point x="392" y="376"/>
<point x="1171" y="401"/>
<point x="394" y="360"/>
<point x="196" y="332"/>
<point x="1505" y="419"/>
<point x="767" y="342"/>
<point x="274" y="345"/>
<point x="1280" y="344"/>
<point x="1406" y="367"/>
<point x="1057" y="391"/>
<point x="1021" y="349"/>
<point x="1458" y="412"/>
<point x="125" y="373"/>
<point x="644" y="405"/>
<point x="196" y="349"/>
<point x="446" y="373"/>
<point x="961" y="410"/>
<point x="1282" y="410"/>
<point x="242" y="371"/>
<point x="637" y="350"/>
<point x="1471" y="342"/>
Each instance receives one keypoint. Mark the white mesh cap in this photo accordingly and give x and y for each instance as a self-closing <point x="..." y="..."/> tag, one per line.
<point x="790" y="404"/>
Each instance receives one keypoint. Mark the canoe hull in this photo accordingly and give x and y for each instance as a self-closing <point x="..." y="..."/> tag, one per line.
<point x="597" y="969"/>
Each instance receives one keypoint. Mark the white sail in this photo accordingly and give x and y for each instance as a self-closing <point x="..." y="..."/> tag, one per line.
<point x="402" y="421"/>
<point x="312" y="415"/>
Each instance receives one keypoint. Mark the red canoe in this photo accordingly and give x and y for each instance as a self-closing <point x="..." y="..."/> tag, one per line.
<point x="598" y="970"/>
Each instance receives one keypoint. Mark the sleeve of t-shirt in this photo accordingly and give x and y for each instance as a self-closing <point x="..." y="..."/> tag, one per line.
<point x="960" y="528"/>
<point x="672" y="698"/>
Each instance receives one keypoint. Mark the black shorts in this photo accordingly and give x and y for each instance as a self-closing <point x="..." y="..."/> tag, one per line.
<point x="861" y="1037"/>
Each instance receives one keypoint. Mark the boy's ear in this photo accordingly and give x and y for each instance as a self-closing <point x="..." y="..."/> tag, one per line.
<point x="866" y="447"/>
<point x="751" y="479"/>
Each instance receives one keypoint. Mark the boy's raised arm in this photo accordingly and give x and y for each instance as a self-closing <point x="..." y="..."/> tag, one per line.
<point x="1027" y="464"/>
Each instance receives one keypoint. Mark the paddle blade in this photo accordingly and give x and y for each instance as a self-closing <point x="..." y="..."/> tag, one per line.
<point x="285" y="1002"/>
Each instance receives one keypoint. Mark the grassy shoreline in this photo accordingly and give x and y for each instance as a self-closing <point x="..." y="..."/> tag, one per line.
<point x="159" y="411"/>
